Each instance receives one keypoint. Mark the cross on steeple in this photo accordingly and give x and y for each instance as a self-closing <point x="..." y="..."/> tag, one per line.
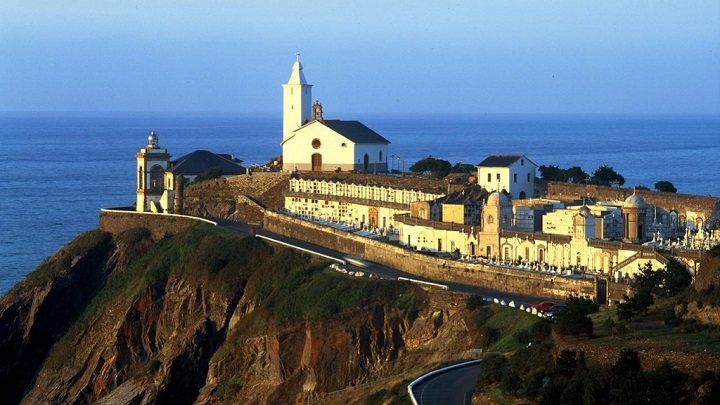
<point x="297" y="56"/>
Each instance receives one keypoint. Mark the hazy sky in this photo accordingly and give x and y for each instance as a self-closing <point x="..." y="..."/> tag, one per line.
<point x="362" y="56"/>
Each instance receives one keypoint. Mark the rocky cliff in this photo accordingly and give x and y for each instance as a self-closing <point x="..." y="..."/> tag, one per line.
<point x="211" y="317"/>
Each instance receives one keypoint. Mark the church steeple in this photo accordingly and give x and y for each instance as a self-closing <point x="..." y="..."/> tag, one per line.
<point x="297" y="96"/>
<point x="297" y="76"/>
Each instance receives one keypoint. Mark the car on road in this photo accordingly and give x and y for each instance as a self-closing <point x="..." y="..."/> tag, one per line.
<point x="543" y="306"/>
<point x="554" y="310"/>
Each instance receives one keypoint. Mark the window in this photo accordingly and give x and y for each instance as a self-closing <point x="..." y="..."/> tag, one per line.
<point x="156" y="175"/>
<point x="504" y="219"/>
<point x="316" y="143"/>
<point x="528" y="177"/>
<point x="498" y="177"/>
<point x="515" y="178"/>
<point x="380" y="156"/>
<point x="522" y="162"/>
<point x="490" y="219"/>
<point x="343" y="145"/>
<point x="489" y="177"/>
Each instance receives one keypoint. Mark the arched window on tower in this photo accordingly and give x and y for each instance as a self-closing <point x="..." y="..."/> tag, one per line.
<point x="140" y="178"/>
<point x="156" y="178"/>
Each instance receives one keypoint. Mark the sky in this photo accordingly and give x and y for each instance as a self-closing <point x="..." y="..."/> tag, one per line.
<point x="366" y="56"/>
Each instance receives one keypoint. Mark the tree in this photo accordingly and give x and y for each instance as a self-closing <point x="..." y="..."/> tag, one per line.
<point x="573" y="174"/>
<point x="676" y="277"/>
<point x="576" y="174"/>
<point x="463" y="168"/>
<point x="211" y="173"/>
<point x="666" y="186"/>
<point x="437" y="168"/>
<point x="572" y="321"/>
<point x="606" y="176"/>
<point x="552" y="173"/>
<point x="642" y="289"/>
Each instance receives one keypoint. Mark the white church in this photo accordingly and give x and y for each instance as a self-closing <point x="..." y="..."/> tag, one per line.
<point x="312" y="143"/>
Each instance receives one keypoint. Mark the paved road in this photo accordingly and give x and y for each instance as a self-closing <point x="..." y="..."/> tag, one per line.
<point x="383" y="271"/>
<point x="454" y="387"/>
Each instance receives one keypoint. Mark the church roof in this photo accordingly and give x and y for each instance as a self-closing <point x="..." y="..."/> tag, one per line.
<point x="501" y="160"/>
<point x="355" y="131"/>
<point x="474" y="193"/>
<point x="201" y="160"/>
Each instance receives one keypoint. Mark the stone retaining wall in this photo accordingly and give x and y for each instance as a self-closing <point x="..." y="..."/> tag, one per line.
<point x="667" y="201"/>
<point x="442" y="270"/>
<point x="159" y="225"/>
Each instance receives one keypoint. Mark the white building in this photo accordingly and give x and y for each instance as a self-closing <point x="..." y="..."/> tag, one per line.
<point x="364" y="205"/>
<point x="312" y="143"/>
<point x="514" y="174"/>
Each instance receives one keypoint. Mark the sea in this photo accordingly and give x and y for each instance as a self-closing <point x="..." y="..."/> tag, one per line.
<point x="59" y="169"/>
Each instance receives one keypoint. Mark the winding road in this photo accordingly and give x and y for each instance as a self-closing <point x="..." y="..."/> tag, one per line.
<point x="382" y="271"/>
<point x="452" y="387"/>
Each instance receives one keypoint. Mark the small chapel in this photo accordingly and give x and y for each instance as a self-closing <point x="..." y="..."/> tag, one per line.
<point x="313" y="143"/>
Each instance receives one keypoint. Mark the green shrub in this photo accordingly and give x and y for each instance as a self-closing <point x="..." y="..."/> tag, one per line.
<point x="482" y="315"/>
<point x="474" y="301"/>
<point x="492" y="369"/>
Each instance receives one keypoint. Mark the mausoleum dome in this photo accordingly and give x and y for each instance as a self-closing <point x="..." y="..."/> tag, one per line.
<point x="498" y="199"/>
<point x="585" y="212"/>
<point x="634" y="201"/>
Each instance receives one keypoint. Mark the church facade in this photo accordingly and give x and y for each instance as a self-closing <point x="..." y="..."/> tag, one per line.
<point x="312" y="143"/>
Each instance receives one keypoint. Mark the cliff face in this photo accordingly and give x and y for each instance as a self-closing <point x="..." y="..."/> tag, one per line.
<point x="203" y="317"/>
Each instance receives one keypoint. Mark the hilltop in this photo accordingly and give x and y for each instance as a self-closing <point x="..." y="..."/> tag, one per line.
<point x="206" y="316"/>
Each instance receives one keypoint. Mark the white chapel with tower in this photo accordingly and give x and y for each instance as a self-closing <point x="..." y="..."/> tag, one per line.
<point x="313" y="143"/>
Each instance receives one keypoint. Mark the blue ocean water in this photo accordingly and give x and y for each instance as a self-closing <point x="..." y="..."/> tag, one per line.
<point x="60" y="169"/>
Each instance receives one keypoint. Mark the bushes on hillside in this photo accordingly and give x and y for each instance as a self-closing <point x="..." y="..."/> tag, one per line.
<point x="574" y="320"/>
<point x="649" y="283"/>
<point x="571" y="378"/>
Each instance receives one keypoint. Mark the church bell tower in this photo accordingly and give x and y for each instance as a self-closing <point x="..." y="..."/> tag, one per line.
<point x="297" y="96"/>
<point x="152" y="162"/>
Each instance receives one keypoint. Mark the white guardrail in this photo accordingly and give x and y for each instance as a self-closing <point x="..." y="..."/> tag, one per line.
<point x="435" y="372"/>
<point x="412" y="280"/>
<point x="300" y="248"/>
<point x="511" y="304"/>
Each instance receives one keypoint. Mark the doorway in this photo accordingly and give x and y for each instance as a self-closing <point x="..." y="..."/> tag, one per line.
<point x="316" y="162"/>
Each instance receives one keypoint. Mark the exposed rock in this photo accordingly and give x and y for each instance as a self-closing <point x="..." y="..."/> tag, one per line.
<point x="126" y="320"/>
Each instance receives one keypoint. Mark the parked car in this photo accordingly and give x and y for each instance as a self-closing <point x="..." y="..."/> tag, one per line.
<point x="554" y="310"/>
<point x="543" y="306"/>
